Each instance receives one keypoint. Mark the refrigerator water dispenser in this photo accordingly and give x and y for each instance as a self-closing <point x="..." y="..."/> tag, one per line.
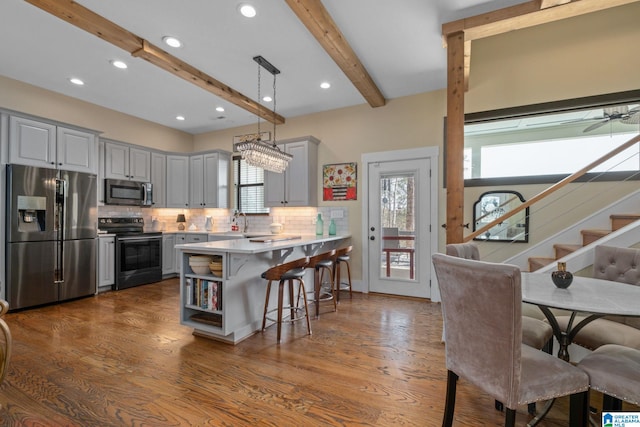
<point x="32" y="212"/>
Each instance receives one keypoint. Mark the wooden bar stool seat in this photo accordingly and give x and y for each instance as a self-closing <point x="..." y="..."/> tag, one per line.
<point x="343" y="257"/>
<point x="287" y="273"/>
<point x="321" y="263"/>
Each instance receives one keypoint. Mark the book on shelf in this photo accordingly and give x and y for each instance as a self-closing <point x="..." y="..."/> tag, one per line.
<point x="188" y="291"/>
<point x="203" y="293"/>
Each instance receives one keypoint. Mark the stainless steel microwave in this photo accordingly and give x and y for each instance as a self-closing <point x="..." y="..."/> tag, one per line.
<point x="128" y="193"/>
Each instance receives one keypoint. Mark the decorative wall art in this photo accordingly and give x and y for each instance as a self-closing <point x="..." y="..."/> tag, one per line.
<point x="339" y="181"/>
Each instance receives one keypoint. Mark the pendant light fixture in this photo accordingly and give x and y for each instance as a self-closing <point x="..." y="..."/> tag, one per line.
<point x="265" y="154"/>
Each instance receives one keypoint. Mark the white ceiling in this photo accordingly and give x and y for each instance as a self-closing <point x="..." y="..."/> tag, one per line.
<point x="398" y="42"/>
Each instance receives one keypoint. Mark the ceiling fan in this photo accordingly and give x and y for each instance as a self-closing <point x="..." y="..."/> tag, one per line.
<point x="620" y="113"/>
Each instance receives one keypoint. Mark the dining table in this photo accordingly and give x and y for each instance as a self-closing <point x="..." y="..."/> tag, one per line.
<point x="589" y="297"/>
<point x="593" y="298"/>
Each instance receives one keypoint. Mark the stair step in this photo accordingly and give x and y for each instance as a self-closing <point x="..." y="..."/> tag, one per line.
<point x="564" y="250"/>
<point x="620" y="220"/>
<point x="590" y="236"/>
<point x="536" y="263"/>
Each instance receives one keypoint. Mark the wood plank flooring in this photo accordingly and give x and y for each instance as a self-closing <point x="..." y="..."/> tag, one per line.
<point x="122" y="359"/>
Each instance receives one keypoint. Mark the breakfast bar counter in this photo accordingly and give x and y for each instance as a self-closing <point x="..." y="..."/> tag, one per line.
<point x="221" y="292"/>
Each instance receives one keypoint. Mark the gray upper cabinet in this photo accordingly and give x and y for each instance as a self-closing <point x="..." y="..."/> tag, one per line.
<point x="209" y="180"/>
<point x="159" y="179"/>
<point x="298" y="185"/>
<point x="127" y="162"/>
<point x="177" y="181"/>
<point x="42" y="144"/>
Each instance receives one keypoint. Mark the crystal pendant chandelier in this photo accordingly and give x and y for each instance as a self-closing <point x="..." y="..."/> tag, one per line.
<point x="260" y="153"/>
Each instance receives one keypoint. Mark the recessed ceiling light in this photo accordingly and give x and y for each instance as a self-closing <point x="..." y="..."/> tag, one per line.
<point x="247" y="10"/>
<point x="219" y="109"/>
<point x="118" y="64"/>
<point x="181" y="118"/>
<point x="267" y="99"/>
<point x="76" y="81"/>
<point x="172" y="41"/>
<point x="325" y="85"/>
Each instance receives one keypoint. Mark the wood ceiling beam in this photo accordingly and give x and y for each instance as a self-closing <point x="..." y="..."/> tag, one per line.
<point x="316" y="18"/>
<point x="95" y="24"/>
<point x="525" y="15"/>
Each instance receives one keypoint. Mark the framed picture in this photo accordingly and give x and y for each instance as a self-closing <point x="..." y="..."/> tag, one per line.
<point x="339" y="181"/>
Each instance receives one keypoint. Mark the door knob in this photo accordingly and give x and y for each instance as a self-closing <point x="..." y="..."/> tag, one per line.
<point x="372" y="238"/>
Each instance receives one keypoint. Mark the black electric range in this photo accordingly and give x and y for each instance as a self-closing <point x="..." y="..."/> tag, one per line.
<point x="138" y="254"/>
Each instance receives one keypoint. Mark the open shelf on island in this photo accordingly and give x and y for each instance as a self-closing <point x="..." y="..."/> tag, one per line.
<point x="212" y="319"/>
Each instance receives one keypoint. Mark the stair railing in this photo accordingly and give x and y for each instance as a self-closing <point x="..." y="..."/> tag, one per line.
<point x="552" y="189"/>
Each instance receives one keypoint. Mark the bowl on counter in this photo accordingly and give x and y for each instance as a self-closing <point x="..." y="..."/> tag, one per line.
<point x="200" y="264"/>
<point x="276" y="228"/>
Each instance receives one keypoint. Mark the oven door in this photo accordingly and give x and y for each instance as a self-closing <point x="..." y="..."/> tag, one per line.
<point x="138" y="260"/>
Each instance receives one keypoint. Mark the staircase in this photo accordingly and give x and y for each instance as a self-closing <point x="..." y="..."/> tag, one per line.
<point x="589" y="236"/>
<point x="575" y="244"/>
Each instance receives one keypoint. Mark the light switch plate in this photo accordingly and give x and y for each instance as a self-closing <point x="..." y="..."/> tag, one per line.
<point x="337" y="214"/>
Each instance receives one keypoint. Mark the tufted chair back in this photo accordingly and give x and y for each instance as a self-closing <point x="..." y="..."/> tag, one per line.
<point x="618" y="265"/>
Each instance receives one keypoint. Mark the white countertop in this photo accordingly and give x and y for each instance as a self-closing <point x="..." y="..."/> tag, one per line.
<point x="245" y="246"/>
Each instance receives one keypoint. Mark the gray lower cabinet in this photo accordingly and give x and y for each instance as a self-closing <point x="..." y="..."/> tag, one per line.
<point x="106" y="261"/>
<point x="180" y="240"/>
<point x="168" y="254"/>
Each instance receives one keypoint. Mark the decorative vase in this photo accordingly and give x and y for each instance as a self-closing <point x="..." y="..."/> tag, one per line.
<point x="562" y="278"/>
<point x="332" y="228"/>
<point x="208" y="224"/>
<point x="319" y="225"/>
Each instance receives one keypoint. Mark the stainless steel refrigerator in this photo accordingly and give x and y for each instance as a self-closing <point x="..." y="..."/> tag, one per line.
<point x="51" y="235"/>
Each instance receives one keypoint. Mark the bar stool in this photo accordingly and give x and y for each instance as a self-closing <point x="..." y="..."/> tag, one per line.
<point x="342" y="257"/>
<point x="286" y="273"/>
<point x="321" y="263"/>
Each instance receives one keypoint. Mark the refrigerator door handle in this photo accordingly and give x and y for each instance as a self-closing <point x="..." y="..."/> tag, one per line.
<point x="61" y="195"/>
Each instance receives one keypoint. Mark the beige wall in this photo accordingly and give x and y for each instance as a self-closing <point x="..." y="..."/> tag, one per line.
<point x="588" y="55"/>
<point x="18" y="96"/>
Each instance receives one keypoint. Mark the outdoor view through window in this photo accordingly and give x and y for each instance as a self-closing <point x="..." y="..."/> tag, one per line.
<point x="552" y="143"/>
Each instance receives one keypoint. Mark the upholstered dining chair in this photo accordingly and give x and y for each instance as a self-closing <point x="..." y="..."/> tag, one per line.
<point x="618" y="265"/>
<point x="535" y="332"/>
<point x="614" y="370"/>
<point x="5" y="346"/>
<point x="491" y="355"/>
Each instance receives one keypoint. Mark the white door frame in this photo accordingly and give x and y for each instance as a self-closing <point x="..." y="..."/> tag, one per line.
<point x="432" y="155"/>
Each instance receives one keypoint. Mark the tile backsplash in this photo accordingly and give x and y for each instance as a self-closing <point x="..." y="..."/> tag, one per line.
<point x="294" y="220"/>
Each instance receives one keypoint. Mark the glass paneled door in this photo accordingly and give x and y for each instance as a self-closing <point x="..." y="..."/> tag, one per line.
<point x="398" y="227"/>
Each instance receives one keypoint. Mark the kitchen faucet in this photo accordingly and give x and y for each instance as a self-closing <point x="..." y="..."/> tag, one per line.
<point x="236" y="215"/>
<point x="246" y="222"/>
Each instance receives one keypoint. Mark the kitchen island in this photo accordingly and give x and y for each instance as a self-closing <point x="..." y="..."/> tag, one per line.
<point x="227" y="304"/>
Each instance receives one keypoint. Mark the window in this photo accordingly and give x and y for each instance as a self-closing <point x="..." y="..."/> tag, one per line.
<point x="248" y="187"/>
<point x="546" y="142"/>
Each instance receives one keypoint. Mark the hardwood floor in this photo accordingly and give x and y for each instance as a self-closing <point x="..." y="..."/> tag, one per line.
<point x="122" y="359"/>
